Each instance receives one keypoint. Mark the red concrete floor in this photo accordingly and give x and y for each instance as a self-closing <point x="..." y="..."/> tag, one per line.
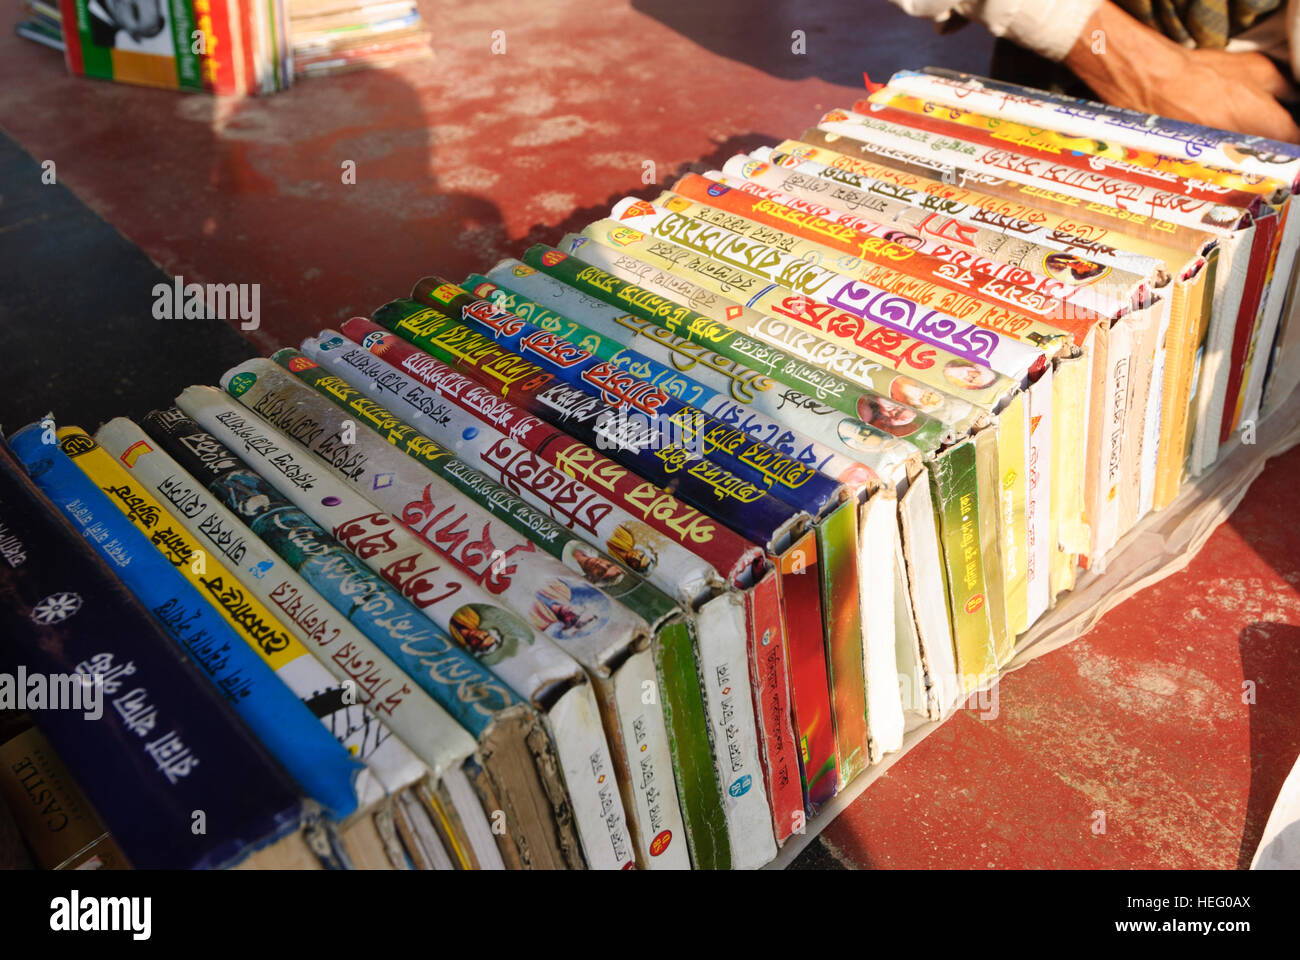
<point x="474" y="156"/>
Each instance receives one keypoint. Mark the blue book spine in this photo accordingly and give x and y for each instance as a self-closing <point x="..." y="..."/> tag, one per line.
<point x="321" y="767"/>
<point x="179" y="781"/>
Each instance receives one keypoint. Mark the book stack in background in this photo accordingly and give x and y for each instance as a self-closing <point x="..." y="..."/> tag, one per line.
<point x="41" y="23"/>
<point x="640" y="549"/>
<point x="336" y="36"/>
<point x="237" y="47"/>
<point x="220" y="46"/>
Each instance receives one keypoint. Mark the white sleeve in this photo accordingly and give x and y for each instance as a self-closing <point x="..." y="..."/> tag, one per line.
<point x="1048" y="27"/>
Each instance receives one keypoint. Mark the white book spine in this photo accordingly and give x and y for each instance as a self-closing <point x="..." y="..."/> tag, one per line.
<point x="723" y="664"/>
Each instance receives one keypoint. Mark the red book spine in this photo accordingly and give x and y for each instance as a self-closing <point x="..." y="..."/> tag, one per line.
<point x="1260" y="253"/>
<point x="771" y="685"/>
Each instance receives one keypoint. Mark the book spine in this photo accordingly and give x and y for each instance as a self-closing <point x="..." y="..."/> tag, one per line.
<point x="62" y="830"/>
<point x="1249" y="317"/>
<point x="192" y="613"/>
<point x="818" y="388"/>
<point x="1039" y="545"/>
<point x="334" y="695"/>
<point x="883" y="457"/>
<point x="922" y="563"/>
<point x="954" y="489"/>
<point x="265" y="634"/>
<point x="769" y="678"/>
<point x="810" y="668"/>
<point x="1068" y="528"/>
<point x="984" y="333"/>
<point x="515" y="750"/>
<point x="790" y="481"/>
<point x="989" y="491"/>
<point x="502" y="643"/>
<point x="710" y="390"/>
<point x="1155" y="174"/>
<point x="569" y="617"/>
<point x="341" y="644"/>
<point x="463" y="513"/>
<point x="68" y="615"/>
<point x="1096" y="286"/>
<point x="1008" y="303"/>
<point x="640" y="438"/>
<point x="879" y="524"/>
<point x="1144" y="207"/>
<point x="1018" y="222"/>
<point x="720" y="645"/>
<point x="807" y="329"/>
<point x="1013" y="512"/>
<point x="645" y="748"/>
<point x="688" y="725"/>
<point x="830" y="552"/>
<point x="1184" y="309"/>
<point x="422" y="649"/>
<point x="1201" y="150"/>
<point x="677" y="548"/>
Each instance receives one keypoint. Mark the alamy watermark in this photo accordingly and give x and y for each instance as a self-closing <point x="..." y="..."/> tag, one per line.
<point x="52" y="691"/>
<point x="179" y="300"/>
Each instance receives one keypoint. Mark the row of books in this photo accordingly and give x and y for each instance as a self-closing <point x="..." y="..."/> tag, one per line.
<point x="225" y="46"/>
<point x="638" y="549"/>
<point x="337" y="36"/>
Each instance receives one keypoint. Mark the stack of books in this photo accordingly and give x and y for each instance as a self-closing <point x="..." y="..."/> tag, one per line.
<point x="336" y="36"/>
<point x="42" y="23"/>
<point x="220" y="46"/>
<point x="639" y="549"/>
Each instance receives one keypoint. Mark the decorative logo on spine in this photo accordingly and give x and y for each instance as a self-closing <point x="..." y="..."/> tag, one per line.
<point x="445" y="293"/>
<point x="240" y="383"/>
<point x="642" y="208"/>
<point x="625" y="235"/>
<point x="134" y="452"/>
<point x="660" y="843"/>
<point x="297" y="364"/>
<point x="56" y="608"/>
<point x="75" y="444"/>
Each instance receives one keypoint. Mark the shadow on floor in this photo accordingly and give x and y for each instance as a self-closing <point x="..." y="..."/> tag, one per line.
<point x="840" y="38"/>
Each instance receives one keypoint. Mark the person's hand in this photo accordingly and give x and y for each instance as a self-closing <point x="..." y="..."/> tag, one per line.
<point x="1252" y="68"/>
<point x="1142" y="70"/>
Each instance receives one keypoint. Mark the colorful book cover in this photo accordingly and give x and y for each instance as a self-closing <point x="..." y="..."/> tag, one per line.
<point x="184" y="45"/>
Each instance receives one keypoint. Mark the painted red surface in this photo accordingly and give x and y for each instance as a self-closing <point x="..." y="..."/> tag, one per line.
<point x="474" y="156"/>
<point x="460" y="161"/>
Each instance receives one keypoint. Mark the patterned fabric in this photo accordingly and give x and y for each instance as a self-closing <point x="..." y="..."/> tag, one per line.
<point x="1207" y="23"/>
